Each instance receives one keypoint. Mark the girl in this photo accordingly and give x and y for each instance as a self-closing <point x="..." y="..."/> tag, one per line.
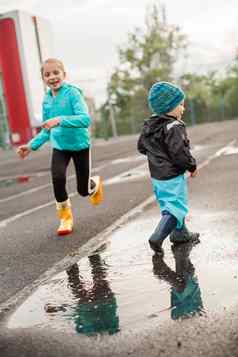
<point x="65" y="124"/>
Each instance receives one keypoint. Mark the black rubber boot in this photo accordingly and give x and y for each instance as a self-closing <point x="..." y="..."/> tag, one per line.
<point x="166" y="225"/>
<point x="184" y="235"/>
<point x="157" y="247"/>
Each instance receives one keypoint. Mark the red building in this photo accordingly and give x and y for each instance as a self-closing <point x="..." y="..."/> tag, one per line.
<point x="25" y="42"/>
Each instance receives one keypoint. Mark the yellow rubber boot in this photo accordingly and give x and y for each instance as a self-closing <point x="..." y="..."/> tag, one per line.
<point x="97" y="196"/>
<point x="66" y="217"/>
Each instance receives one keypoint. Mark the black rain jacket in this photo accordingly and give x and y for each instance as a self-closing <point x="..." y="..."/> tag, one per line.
<point x="165" y="142"/>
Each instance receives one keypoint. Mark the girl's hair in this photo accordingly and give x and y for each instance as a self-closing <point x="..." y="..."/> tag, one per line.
<point x="52" y="60"/>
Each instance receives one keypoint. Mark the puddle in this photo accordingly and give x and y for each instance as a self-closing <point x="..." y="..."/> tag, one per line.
<point x="8" y="181"/>
<point x="15" y="180"/>
<point x="123" y="286"/>
<point x="128" y="159"/>
<point x="134" y="174"/>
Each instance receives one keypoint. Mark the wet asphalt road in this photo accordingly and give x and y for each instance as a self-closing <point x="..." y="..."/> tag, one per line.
<point x="136" y="276"/>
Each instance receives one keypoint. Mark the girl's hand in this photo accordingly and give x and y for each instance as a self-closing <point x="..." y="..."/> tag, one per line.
<point x="23" y="151"/>
<point x="194" y="173"/>
<point x="51" y="123"/>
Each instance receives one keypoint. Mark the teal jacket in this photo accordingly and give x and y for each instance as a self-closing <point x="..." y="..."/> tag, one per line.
<point x="72" y="132"/>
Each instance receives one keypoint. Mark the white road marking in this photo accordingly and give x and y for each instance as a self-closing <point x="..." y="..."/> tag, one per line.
<point x="71" y="177"/>
<point x="94" y="243"/>
<point x="218" y="153"/>
<point x="109" y="181"/>
<point x="114" y="180"/>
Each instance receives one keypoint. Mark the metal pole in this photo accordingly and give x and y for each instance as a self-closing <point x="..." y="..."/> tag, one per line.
<point x="112" y="121"/>
<point x="222" y="108"/>
<point x="193" y="116"/>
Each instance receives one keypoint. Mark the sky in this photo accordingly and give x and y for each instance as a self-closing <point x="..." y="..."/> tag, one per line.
<point x="87" y="33"/>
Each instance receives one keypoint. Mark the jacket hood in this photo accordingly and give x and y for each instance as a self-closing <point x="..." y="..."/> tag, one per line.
<point x="154" y="124"/>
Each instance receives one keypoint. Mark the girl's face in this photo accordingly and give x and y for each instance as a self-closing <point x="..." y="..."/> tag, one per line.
<point x="53" y="76"/>
<point x="178" y="111"/>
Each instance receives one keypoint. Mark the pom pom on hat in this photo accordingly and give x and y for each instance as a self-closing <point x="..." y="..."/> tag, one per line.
<point x="164" y="97"/>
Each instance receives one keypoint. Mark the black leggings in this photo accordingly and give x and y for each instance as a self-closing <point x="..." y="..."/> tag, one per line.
<point x="59" y="163"/>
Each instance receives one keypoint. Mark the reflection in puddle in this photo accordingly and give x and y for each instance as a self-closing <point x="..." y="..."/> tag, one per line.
<point x="12" y="181"/>
<point x="186" y="300"/>
<point x="8" y="181"/>
<point x="95" y="308"/>
<point x="124" y="287"/>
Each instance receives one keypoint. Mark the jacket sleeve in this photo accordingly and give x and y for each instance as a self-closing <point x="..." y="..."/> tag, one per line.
<point x="80" y="117"/>
<point x="140" y="145"/>
<point x="43" y="136"/>
<point x="178" y="148"/>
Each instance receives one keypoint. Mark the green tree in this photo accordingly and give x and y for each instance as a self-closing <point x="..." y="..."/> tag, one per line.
<point x="199" y="96"/>
<point x="213" y="96"/>
<point x="229" y="87"/>
<point x="148" y="56"/>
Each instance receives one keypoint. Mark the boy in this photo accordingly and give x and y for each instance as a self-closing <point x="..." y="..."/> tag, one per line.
<point x="165" y="143"/>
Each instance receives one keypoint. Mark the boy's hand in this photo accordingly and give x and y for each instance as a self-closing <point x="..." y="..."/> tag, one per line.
<point x="51" y="123"/>
<point x="194" y="173"/>
<point x="23" y="151"/>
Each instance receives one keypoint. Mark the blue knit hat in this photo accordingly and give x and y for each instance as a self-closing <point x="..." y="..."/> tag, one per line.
<point x="164" y="97"/>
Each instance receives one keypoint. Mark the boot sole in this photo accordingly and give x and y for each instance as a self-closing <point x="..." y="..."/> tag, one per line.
<point x="65" y="232"/>
<point x="97" y="198"/>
